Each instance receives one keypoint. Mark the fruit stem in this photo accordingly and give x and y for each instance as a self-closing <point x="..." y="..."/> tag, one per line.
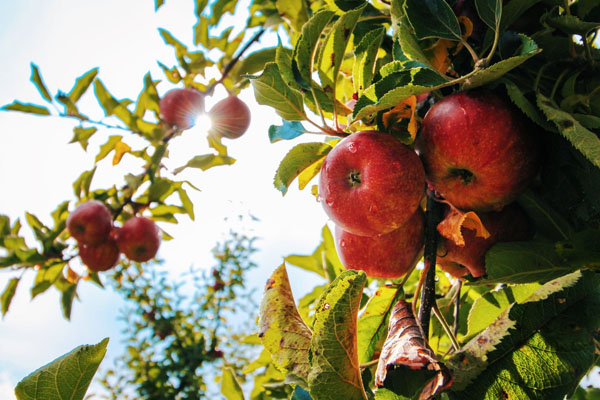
<point x="433" y="216"/>
<point x="445" y="326"/>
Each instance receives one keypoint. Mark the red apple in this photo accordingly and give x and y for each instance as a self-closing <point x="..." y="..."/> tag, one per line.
<point x="100" y="257"/>
<point x="509" y="225"/>
<point x="180" y="107"/>
<point x="90" y="223"/>
<point x="389" y="255"/>
<point x="138" y="239"/>
<point x="371" y="183"/>
<point x="479" y="151"/>
<point x="230" y="117"/>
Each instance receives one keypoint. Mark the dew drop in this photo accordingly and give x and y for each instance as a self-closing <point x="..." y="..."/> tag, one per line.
<point x="352" y="148"/>
<point x="373" y="207"/>
<point x="330" y="203"/>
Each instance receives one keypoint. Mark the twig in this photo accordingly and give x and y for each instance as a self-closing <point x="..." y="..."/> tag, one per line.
<point x="433" y="216"/>
<point x="457" y="308"/>
<point x="445" y="326"/>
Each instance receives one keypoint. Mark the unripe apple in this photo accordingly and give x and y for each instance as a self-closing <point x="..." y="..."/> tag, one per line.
<point x="100" y="257"/>
<point x="138" y="239"/>
<point x="90" y="223"/>
<point x="230" y="117"/>
<point x="371" y="183"/>
<point x="389" y="255"/>
<point x="478" y="150"/>
<point x="509" y="225"/>
<point x="180" y="107"/>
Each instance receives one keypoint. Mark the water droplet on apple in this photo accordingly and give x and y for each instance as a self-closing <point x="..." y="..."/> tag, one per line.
<point x="352" y="147"/>
<point x="372" y="207"/>
<point x="330" y="203"/>
<point x="343" y="243"/>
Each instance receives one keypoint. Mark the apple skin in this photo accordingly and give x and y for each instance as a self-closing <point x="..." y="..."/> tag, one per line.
<point x="371" y="183"/>
<point x="478" y="150"/>
<point x="509" y="225"/>
<point x="138" y="239"/>
<point x="389" y="255"/>
<point x="180" y="107"/>
<point x="100" y="257"/>
<point x="230" y="117"/>
<point x="90" y="223"/>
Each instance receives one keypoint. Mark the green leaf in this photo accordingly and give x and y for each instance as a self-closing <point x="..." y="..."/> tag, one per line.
<point x="300" y="394"/>
<point x="486" y="75"/>
<point x="282" y="331"/>
<point x="230" y="386"/>
<point x="45" y="278"/>
<point x="323" y="261"/>
<point x="365" y="56"/>
<point x="490" y="12"/>
<point x="186" y="202"/>
<point x="107" y="147"/>
<point x="294" y="12"/>
<point x="67" y="377"/>
<point x="287" y="131"/>
<point x="7" y="294"/>
<point x="333" y="50"/>
<point x="304" y="51"/>
<point x="548" y="222"/>
<point x="406" y="42"/>
<point x="335" y="372"/>
<point x="270" y="89"/>
<point x="148" y="98"/>
<point x="283" y="59"/>
<point x="160" y="189"/>
<point x="526" y="106"/>
<point x="67" y="295"/>
<point x="432" y="19"/>
<point x="111" y="106"/>
<point x="205" y="162"/>
<point x="83" y="182"/>
<point x="581" y="138"/>
<point x="82" y="84"/>
<point x="26" y="108"/>
<point x="571" y="25"/>
<point x="82" y="135"/>
<point x="297" y="160"/>
<point x="539" y="349"/>
<point x="37" y="80"/>
<point x="373" y="321"/>
<point x="158" y="4"/>
<point x="255" y="61"/>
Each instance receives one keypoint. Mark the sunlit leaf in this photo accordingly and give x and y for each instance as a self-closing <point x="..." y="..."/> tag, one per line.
<point x="8" y="293"/>
<point x="205" y="162"/>
<point x="82" y="84"/>
<point x="37" y="80"/>
<point x="271" y="90"/>
<point x="26" y="108"/>
<point x="230" y="386"/>
<point x="297" y="160"/>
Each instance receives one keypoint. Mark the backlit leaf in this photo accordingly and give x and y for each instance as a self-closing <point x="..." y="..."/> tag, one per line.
<point x="230" y="386"/>
<point x="323" y="261"/>
<point x="26" y="108"/>
<point x="297" y="160"/>
<point x="287" y="131"/>
<point x="37" y="80"/>
<point x="271" y="90"/>
<point x="365" y="56"/>
<point x="304" y="51"/>
<point x="205" y="162"/>
<point x="81" y="135"/>
<point x="7" y="294"/>
<point x="82" y="84"/>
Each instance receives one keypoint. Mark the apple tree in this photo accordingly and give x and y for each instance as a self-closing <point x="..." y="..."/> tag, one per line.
<point x="463" y="134"/>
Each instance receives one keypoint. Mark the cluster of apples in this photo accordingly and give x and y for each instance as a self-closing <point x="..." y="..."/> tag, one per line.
<point x="475" y="150"/>
<point x="230" y="117"/>
<point x="100" y="243"/>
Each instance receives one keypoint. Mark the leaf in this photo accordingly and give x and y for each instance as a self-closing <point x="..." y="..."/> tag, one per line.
<point x="294" y="12"/>
<point x="539" y="349"/>
<point x="82" y="84"/>
<point x="335" y="371"/>
<point x="432" y="19"/>
<point x="304" y="51"/>
<point x="121" y="148"/>
<point x="365" y="56"/>
<point x="581" y="138"/>
<point x="158" y="4"/>
<point x="297" y="160"/>
<point x="282" y="331"/>
<point x="548" y="222"/>
<point x="271" y="90"/>
<point x="37" y="80"/>
<point x="7" y="294"/>
<point x="406" y="43"/>
<point x="82" y="135"/>
<point x="287" y="131"/>
<point x="45" y="278"/>
<point x="451" y="226"/>
<point x="67" y="377"/>
<point x="67" y="295"/>
<point x="205" y="162"/>
<point x="407" y="365"/>
<point x="528" y="108"/>
<point x="82" y="183"/>
<point x="490" y="12"/>
<point x="373" y="321"/>
<point x="230" y="386"/>
<point x="485" y="75"/>
<point x="300" y="394"/>
<point x="148" y="98"/>
<point x="309" y="173"/>
<point x="26" y="108"/>
<point x="108" y="147"/>
<point x="323" y="261"/>
<point x="571" y="25"/>
<point x="333" y="49"/>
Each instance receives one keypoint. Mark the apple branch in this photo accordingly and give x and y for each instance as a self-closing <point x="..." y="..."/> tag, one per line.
<point x="433" y="216"/>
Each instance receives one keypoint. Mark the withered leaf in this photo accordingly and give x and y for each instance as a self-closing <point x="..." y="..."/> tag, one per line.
<point x="452" y="224"/>
<point x="407" y="364"/>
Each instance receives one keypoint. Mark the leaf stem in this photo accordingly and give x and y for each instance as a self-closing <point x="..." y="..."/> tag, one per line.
<point x="457" y="308"/>
<point x="368" y="364"/>
<point x="445" y="326"/>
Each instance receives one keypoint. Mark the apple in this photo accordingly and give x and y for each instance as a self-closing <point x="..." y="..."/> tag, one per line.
<point x="478" y="150"/>
<point x="371" y="183"/>
<point x="100" y="257"/>
<point x="230" y="117"/>
<point x="389" y="255"/>
<point x="180" y="107"/>
<point x="138" y="239"/>
<point x="90" y="223"/>
<point x="509" y="225"/>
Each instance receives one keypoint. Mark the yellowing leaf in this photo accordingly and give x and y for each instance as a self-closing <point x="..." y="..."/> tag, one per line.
<point x="455" y="220"/>
<point x="121" y="148"/>
<point x="405" y="109"/>
<point x="305" y="176"/>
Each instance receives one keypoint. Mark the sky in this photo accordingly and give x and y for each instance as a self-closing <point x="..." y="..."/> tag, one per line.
<point x="66" y="38"/>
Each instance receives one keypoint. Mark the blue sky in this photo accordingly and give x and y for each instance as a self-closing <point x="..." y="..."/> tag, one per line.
<point x="66" y="38"/>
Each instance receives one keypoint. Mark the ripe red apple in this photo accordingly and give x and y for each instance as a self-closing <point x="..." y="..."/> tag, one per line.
<point x="479" y="151"/>
<point x="389" y="255"/>
<point x="371" y="183"/>
<point x="180" y="107"/>
<point x="138" y="239"/>
<point x="100" y="257"/>
<point x="509" y="225"/>
<point x="90" y="223"/>
<point x="230" y="117"/>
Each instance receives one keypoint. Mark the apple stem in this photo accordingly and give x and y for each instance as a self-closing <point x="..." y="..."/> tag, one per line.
<point x="433" y="216"/>
<point x="457" y="308"/>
